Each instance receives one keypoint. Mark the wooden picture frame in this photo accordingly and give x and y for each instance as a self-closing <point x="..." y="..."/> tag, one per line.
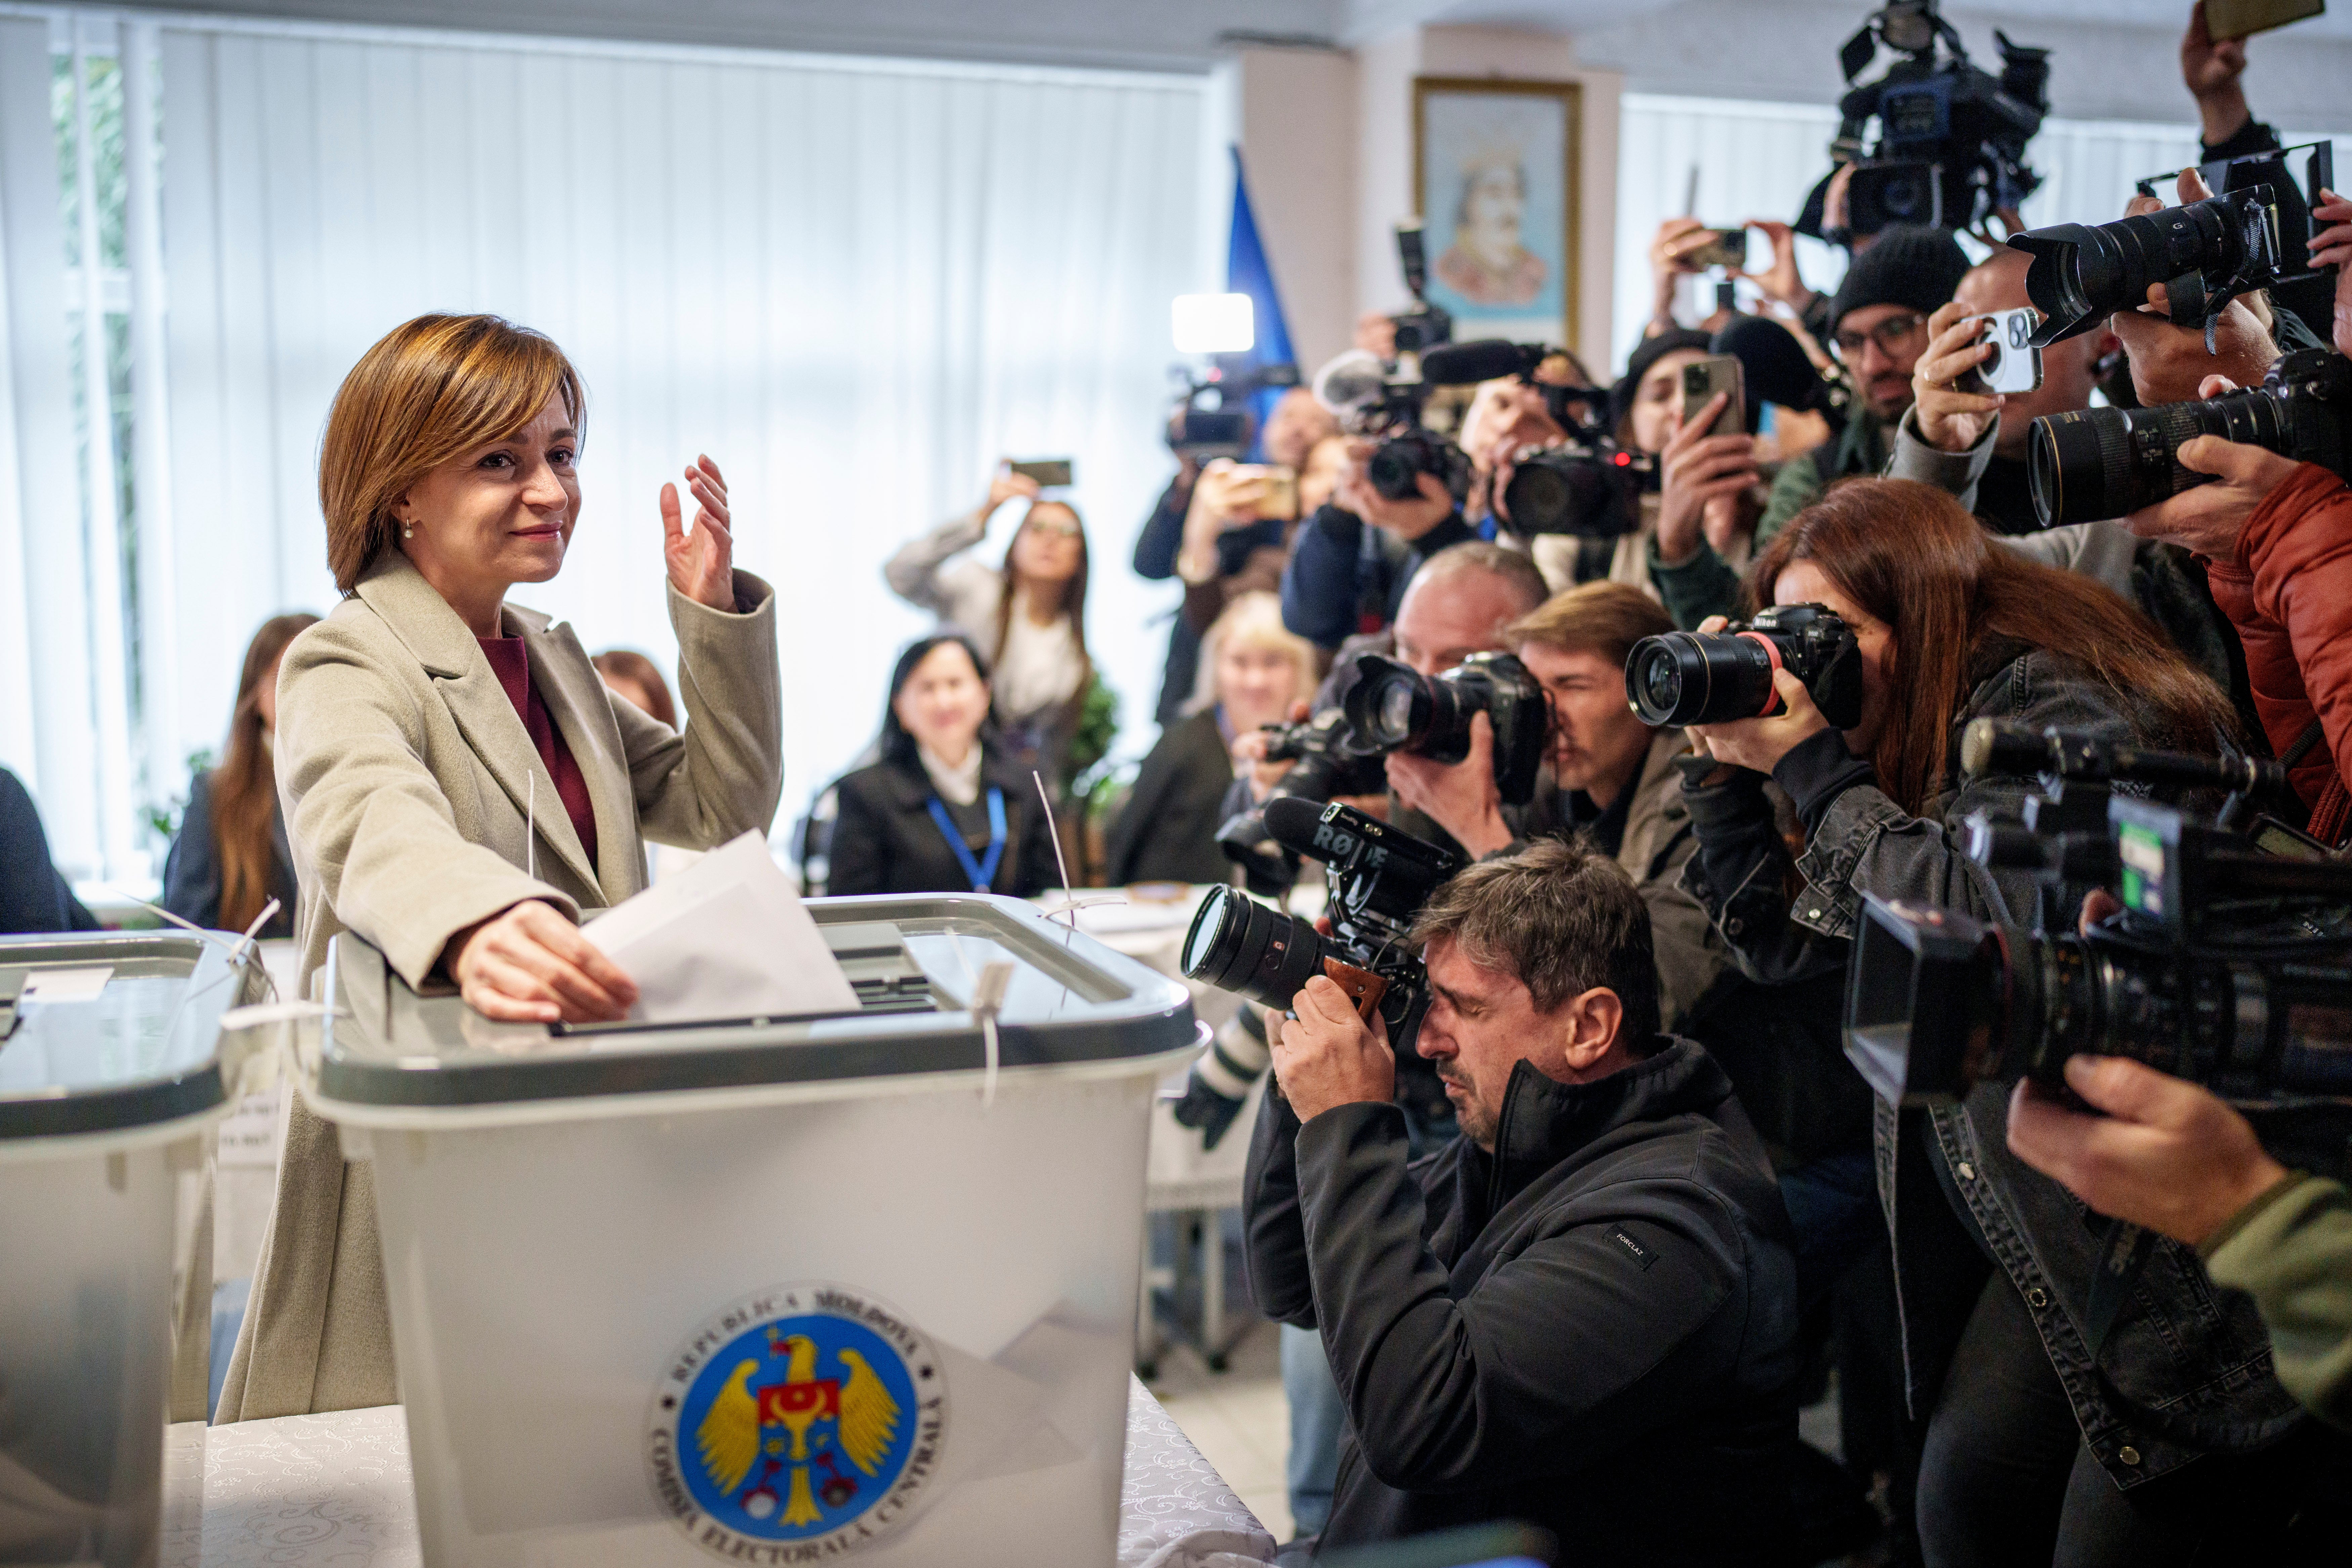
<point x="1497" y="179"/>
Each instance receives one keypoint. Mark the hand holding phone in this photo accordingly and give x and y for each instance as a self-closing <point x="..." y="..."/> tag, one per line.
<point x="2014" y="365"/>
<point x="1724" y="247"/>
<point x="1702" y="379"/>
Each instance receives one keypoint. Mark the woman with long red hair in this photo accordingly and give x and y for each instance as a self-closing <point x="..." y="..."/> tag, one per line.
<point x="231" y="857"/>
<point x="2046" y="1440"/>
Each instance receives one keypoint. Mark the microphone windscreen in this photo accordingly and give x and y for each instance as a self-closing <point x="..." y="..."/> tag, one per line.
<point x="1292" y="819"/>
<point x="1484" y="359"/>
<point x="1350" y="382"/>
<point x="1772" y="363"/>
<point x="1991" y="745"/>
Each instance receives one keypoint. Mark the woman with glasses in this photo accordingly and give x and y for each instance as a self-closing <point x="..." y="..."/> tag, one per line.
<point x="1027" y="617"/>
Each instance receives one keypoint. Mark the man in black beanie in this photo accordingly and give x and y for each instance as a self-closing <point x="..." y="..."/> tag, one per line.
<point x="1878" y="328"/>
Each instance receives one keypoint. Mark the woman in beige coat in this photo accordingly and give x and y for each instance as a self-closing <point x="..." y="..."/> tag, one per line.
<point x="459" y="790"/>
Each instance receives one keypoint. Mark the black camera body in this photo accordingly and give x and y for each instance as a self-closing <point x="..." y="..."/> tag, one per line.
<point x="2093" y="463"/>
<point x="2230" y="965"/>
<point x="1378" y="877"/>
<point x="1391" y="707"/>
<point x="2254" y="232"/>
<point x="1678" y="678"/>
<point x="1952" y="136"/>
<point x="1372" y="396"/>
<point x="1591" y="487"/>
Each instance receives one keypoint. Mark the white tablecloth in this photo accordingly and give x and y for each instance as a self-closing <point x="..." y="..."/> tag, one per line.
<point x="332" y="1491"/>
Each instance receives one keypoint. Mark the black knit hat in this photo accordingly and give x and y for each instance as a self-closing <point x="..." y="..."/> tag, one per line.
<point x="1906" y="265"/>
<point x="1647" y="353"/>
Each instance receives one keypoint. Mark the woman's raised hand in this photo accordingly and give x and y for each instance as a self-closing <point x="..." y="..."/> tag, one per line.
<point x="530" y="965"/>
<point x="701" y="564"/>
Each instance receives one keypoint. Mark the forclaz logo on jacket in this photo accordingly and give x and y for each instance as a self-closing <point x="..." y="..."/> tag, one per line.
<point x="798" y="1424"/>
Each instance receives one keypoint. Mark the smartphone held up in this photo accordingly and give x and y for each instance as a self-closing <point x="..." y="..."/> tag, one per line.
<point x="2014" y="365"/>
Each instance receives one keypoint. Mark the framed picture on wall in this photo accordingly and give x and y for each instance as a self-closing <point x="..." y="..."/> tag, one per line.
<point x="1495" y="171"/>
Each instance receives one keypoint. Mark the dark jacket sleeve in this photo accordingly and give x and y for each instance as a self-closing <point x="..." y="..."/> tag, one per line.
<point x="1319" y="586"/>
<point x="1741" y="875"/>
<point x="32" y="896"/>
<point x="1529" y="1369"/>
<point x="191" y="872"/>
<point x="1702" y="587"/>
<point x="1274" y="1234"/>
<point x="1164" y="533"/>
<point x="860" y="850"/>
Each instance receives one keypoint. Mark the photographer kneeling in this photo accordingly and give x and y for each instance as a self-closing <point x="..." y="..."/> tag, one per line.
<point x="2044" y="1439"/>
<point x="1581" y="1312"/>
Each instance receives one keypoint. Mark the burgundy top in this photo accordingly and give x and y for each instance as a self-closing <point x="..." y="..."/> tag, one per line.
<point x="510" y="662"/>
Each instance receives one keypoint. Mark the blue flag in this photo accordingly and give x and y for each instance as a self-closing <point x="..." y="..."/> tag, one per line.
<point x="1246" y="272"/>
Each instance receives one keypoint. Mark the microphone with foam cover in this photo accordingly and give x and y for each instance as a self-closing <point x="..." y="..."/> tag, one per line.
<point x="1774" y="367"/>
<point x="1484" y="359"/>
<point x="1291" y="821"/>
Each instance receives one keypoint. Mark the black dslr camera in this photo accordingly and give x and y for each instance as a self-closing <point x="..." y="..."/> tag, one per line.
<point x="2253" y="234"/>
<point x="2230" y="966"/>
<point x="1590" y="487"/>
<point x="1387" y="707"/>
<point x="1379" y="877"/>
<point x="1952" y="143"/>
<point x="1212" y="417"/>
<point x="1372" y="396"/>
<point x="1714" y="678"/>
<point x="2093" y="463"/>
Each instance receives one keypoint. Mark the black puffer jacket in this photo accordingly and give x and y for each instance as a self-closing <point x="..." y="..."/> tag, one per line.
<point x="2185" y="1367"/>
<point x="1591" y="1329"/>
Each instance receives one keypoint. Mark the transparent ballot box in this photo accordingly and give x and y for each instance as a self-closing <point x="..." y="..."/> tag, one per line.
<point x="769" y="1290"/>
<point x="110" y="1076"/>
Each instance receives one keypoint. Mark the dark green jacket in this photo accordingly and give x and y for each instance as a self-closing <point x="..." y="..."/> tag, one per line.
<point x="2291" y="1250"/>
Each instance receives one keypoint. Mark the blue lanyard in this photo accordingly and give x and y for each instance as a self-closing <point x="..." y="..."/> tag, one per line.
<point x="981" y="872"/>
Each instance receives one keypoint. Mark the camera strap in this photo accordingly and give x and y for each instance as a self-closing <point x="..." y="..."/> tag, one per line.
<point x="982" y="871"/>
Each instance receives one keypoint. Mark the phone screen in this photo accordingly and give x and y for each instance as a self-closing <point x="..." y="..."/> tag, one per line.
<point x="1051" y="473"/>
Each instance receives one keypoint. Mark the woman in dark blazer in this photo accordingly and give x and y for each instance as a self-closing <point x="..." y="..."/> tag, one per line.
<point x="944" y="811"/>
<point x="231" y="857"/>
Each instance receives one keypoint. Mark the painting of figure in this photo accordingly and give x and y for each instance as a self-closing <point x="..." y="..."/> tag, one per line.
<point x="1496" y="176"/>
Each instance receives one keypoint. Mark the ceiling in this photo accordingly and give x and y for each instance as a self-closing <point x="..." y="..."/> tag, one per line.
<point x="2114" y="59"/>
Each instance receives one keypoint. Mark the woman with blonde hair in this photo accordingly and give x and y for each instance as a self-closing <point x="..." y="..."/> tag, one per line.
<point x="460" y="790"/>
<point x="1253" y="669"/>
<point x="231" y="857"/>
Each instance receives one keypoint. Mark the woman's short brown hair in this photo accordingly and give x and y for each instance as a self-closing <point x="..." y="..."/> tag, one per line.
<point x="428" y="389"/>
<point x="1603" y="618"/>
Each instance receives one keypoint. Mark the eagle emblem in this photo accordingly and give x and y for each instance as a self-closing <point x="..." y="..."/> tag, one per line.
<point x="803" y="1413"/>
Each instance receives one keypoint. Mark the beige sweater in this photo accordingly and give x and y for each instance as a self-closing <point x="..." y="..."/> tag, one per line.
<point x="406" y="776"/>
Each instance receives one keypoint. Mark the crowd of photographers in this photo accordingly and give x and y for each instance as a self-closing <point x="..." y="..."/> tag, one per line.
<point x="1809" y="833"/>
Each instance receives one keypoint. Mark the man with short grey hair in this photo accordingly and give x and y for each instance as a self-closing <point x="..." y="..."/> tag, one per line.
<point x="1581" y="1312"/>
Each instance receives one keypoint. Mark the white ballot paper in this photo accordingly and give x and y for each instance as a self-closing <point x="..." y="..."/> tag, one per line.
<point x="725" y="938"/>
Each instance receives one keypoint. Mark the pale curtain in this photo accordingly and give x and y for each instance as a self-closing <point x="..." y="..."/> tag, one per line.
<point x="854" y="283"/>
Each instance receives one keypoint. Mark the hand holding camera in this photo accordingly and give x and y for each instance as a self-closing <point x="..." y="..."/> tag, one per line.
<point x="1328" y="1054"/>
<point x="1760" y="743"/>
<point x="1461" y="797"/>
<point x="2166" y="1154"/>
<point x="1429" y="503"/>
<point x="1750" y="692"/>
<point x="1702" y="475"/>
<point x="2207" y="518"/>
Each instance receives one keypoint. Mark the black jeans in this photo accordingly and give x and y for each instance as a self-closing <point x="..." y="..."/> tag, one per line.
<point x="2005" y="1480"/>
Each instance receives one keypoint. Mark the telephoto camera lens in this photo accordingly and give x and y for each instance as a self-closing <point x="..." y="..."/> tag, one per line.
<point x="2097" y="463"/>
<point x="2081" y="274"/>
<point x="1589" y="494"/>
<point x="1240" y="945"/>
<point x="1678" y="678"/>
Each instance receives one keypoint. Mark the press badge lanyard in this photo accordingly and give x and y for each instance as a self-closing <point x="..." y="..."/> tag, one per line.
<point x="982" y="872"/>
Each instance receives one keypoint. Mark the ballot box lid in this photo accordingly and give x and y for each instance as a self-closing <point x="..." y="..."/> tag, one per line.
<point x="104" y="1031"/>
<point x="913" y="958"/>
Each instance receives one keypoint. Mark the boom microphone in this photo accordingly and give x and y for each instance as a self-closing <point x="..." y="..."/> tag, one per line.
<point x="1991" y="745"/>
<point x="1484" y="359"/>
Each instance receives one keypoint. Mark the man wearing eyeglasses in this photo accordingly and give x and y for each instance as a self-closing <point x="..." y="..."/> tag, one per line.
<point x="1878" y="329"/>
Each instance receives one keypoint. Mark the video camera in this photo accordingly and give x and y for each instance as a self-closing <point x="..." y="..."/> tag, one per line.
<point x="1952" y="143"/>
<point x="2230" y="965"/>
<point x="2253" y="234"/>
<point x="2094" y="463"/>
<point x="1379" y="877"/>
<point x="1211" y="417"/>
<point x="1387" y="707"/>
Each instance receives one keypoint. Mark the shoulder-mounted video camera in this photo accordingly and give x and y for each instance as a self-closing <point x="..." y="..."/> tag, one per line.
<point x="1951" y="136"/>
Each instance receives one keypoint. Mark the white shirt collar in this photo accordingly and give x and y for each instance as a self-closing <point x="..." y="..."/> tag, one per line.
<point x="957" y="786"/>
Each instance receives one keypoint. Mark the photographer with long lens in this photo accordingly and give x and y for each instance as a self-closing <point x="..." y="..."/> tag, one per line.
<point x="1342" y="580"/>
<point x="1878" y="327"/>
<point x="2035" y="1446"/>
<point x="1580" y="1311"/>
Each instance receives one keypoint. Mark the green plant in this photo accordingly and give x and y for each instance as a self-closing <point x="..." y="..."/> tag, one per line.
<point x="1097" y="727"/>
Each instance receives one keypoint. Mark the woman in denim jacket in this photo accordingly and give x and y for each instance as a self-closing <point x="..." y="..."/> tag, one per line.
<point x="2039" y="1446"/>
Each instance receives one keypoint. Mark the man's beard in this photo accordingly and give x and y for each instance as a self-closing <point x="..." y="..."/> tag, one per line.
<point x="1476" y="1123"/>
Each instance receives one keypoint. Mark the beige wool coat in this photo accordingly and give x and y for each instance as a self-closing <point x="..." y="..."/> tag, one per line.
<point x="406" y="776"/>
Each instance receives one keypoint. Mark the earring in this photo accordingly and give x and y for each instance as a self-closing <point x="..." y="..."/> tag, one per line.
<point x="407" y="531"/>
